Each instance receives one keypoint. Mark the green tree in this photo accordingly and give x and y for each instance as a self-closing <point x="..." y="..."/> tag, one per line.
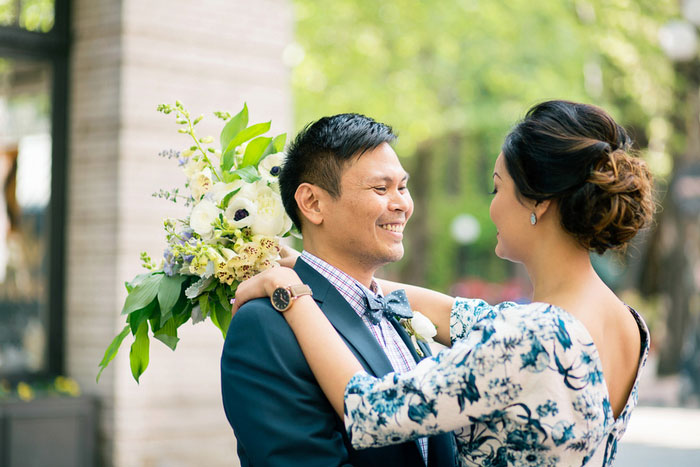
<point x="453" y="76"/>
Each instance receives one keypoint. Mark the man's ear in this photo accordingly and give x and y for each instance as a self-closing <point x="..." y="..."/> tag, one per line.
<point x="310" y="199"/>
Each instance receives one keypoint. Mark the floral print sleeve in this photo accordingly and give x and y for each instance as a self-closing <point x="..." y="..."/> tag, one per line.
<point x="467" y="311"/>
<point x="520" y="381"/>
<point x="479" y="376"/>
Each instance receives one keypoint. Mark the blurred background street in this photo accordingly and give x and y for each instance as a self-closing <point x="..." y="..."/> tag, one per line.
<point x="664" y="433"/>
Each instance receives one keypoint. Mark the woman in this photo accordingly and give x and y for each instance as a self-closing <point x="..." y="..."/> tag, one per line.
<point x="548" y="383"/>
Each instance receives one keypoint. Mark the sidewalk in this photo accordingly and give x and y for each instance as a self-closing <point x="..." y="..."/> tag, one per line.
<point x="660" y="433"/>
<point x="661" y="436"/>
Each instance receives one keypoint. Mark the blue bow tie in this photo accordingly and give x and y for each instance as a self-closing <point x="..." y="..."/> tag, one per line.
<point x="394" y="304"/>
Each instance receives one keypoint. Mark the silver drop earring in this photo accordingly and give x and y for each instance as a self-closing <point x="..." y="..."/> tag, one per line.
<point x="533" y="219"/>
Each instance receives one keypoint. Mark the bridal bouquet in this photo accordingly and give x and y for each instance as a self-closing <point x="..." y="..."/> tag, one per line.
<point x="235" y="222"/>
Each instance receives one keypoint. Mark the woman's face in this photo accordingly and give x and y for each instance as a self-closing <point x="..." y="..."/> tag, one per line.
<point x="511" y="217"/>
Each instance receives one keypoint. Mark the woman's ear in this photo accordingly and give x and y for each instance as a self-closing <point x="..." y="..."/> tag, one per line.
<point x="541" y="207"/>
<point x="309" y="200"/>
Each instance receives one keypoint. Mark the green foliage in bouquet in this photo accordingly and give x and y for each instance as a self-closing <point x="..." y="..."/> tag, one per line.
<point x="232" y="232"/>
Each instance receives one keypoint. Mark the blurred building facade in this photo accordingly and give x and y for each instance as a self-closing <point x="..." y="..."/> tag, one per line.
<point x="122" y="60"/>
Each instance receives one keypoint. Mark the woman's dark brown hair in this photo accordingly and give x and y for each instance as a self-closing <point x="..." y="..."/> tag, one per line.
<point x="577" y="155"/>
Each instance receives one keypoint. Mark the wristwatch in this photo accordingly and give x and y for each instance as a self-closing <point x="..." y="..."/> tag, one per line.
<point x="283" y="297"/>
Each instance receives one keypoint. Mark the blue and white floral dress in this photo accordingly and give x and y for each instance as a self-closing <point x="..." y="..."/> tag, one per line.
<point x="522" y="385"/>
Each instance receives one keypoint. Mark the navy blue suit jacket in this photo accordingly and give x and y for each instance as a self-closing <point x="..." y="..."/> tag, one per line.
<point x="277" y="410"/>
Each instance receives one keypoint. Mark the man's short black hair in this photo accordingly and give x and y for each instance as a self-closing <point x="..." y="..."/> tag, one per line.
<point x="320" y="152"/>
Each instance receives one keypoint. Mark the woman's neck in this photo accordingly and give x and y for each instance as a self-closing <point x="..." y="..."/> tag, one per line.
<point x="561" y="271"/>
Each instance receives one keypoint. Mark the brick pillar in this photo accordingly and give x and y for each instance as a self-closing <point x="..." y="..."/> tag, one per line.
<point x="127" y="57"/>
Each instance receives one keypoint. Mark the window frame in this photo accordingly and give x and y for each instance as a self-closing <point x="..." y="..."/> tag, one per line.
<point x="52" y="46"/>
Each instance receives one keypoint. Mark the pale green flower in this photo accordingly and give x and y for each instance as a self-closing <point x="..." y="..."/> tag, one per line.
<point x="201" y="183"/>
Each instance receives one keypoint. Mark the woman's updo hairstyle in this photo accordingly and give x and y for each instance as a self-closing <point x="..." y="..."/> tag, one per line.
<point x="577" y="155"/>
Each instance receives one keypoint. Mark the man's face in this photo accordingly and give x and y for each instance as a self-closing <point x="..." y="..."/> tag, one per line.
<point x="364" y="225"/>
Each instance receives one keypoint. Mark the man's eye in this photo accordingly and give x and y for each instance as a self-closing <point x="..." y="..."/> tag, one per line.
<point x="380" y="188"/>
<point x="403" y="188"/>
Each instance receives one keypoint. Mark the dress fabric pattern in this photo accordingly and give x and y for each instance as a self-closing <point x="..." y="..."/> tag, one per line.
<point x="522" y="385"/>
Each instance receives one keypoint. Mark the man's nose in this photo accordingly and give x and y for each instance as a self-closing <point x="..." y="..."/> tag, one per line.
<point x="400" y="201"/>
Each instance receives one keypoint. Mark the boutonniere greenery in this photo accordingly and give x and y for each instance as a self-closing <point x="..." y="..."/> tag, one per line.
<point x="420" y="328"/>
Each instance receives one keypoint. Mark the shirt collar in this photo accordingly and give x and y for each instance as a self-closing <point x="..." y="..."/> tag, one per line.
<point x="352" y="290"/>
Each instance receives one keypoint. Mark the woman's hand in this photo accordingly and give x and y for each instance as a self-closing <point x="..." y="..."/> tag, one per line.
<point x="263" y="284"/>
<point x="329" y="358"/>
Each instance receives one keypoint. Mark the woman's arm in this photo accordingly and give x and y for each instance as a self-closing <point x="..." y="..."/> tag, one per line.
<point x="435" y="305"/>
<point x="329" y="358"/>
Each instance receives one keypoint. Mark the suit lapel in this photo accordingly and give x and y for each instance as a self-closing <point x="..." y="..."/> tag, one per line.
<point x="345" y="320"/>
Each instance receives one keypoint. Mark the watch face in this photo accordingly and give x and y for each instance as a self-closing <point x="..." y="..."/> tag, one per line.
<point x="280" y="299"/>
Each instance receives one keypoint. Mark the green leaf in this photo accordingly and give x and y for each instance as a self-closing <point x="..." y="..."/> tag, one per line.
<point x="178" y="309"/>
<point x="150" y="311"/>
<point x="247" y="174"/>
<point x="137" y="280"/>
<point x="227" y="198"/>
<point x="227" y="161"/>
<point x="197" y="287"/>
<point x="142" y="294"/>
<point x="111" y="351"/>
<point x="183" y="316"/>
<point x="245" y="135"/>
<point x="279" y="142"/>
<point x="169" y="293"/>
<point x="204" y="304"/>
<point x="233" y="127"/>
<point x="168" y="334"/>
<point x="138" y="357"/>
<point x="254" y="151"/>
<point x="221" y="316"/>
<point x="277" y="145"/>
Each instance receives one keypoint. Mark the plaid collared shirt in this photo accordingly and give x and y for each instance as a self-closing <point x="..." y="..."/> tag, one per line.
<point x="386" y="335"/>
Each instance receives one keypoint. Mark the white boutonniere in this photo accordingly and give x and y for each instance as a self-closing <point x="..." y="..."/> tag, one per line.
<point x="420" y="328"/>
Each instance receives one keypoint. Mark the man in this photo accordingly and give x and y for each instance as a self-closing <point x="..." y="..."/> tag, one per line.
<point x="345" y="189"/>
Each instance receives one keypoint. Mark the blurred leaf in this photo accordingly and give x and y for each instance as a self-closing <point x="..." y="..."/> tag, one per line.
<point x="279" y="142"/>
<point x="111" y="351"/>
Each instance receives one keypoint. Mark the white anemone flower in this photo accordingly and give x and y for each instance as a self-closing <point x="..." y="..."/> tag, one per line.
<point x="203" y="216"/>
<point x="270" y="218"/>
<point x="271" y="166"/>
<point x="241" y="212"/>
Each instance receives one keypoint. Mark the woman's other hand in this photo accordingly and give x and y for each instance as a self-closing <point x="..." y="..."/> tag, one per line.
<point x="288" y="256"/>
